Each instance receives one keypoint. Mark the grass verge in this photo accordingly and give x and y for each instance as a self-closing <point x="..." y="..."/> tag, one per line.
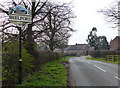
<point x="51" y="74"/>
<point x="102" y="59"/>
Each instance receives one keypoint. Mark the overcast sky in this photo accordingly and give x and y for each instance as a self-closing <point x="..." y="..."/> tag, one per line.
<point x="88" y="17"/>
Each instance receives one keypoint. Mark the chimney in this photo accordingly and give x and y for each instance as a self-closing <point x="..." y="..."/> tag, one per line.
<point x="119" y="31"/>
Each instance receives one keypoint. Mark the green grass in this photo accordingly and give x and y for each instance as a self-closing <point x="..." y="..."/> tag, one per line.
<point x="51" y="74"/>
<point x="102" y="59"/>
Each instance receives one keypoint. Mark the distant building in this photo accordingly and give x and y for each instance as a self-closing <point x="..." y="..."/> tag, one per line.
<point x="115" y="43"/>
<point x="57" y="50"/>
<point x="43" y="47"/>
<point x="78" y="49"/>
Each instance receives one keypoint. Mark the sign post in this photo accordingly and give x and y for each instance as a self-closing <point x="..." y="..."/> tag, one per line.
<point x="20" y="58"/>
<point x="19" y="15"/>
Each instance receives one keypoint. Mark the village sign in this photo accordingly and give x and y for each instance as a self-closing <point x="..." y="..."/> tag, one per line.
<point x="19" y="14"/>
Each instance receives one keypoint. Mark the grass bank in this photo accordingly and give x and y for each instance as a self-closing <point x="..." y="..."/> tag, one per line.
<point x="102" y="59"/>
<point x="51" y="74"/>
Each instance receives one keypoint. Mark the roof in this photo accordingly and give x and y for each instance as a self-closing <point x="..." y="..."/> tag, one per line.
<point x="77" y="47"/>
<point x="117" y="37"/>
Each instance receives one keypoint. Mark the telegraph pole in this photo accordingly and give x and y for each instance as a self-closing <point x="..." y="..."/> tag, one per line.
<point x="119" y="18"/>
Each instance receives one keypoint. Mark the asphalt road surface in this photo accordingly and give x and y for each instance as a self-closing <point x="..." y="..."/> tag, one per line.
<point x="86" y="72"/>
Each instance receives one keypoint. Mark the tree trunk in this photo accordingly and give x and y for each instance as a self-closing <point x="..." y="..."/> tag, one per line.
<point x="29" y="43"/>
<point x="51" y="46"/>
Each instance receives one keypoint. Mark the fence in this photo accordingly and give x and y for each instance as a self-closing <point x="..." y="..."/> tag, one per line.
<point x="114" y="58"/>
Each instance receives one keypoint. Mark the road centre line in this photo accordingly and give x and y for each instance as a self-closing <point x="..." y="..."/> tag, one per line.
<point x="100" y="68"/>
<point x="88" y="62"/>
<point x="81" y="60"/>
<point x="85" y="61"/>
<point x="117" y="77"/>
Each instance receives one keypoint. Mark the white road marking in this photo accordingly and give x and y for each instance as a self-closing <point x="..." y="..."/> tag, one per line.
<point x="81" y="60"/>
<point x="100" y="68"/>
<point x="85" y="61"/>
<point x="88" y="62"/>
<point x="117" y="77"/>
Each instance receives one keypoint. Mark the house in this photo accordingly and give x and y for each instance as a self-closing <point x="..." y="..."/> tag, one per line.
<point x="115" y="43"/>
<point x="43" y="47"/>
<point x="78" y="49"/>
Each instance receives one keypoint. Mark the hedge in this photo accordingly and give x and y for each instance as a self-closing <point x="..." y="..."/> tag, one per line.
<point x="103" y="53"/>
<point x="10" y="63"/>
<point x="30" y="63"/>
<point x="42" y="57"/>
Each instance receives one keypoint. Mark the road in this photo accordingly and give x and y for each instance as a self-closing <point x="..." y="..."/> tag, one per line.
<point x="84" y="72"/>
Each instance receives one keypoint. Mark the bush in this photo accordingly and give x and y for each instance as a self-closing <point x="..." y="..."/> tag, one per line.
<point x="29" y="64"/>
<point x="103" y="53"/>
<point x="10" y="63"/>
<point x="71" y="54"/>
<point x="42" y="57"/>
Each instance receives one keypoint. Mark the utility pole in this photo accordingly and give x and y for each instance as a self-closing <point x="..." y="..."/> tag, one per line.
<point x="118" y="24"/>
<point x="119" y="18"/>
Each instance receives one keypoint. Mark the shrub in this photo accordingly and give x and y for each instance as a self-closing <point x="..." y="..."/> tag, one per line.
<point x="103" y="53"/>
<point x="71" y="54"/>
<point x="45" y="56"/>
<point x="30" y="63"/>
<point x="10" y="63"/>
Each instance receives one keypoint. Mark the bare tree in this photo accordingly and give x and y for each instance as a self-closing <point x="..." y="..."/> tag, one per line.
<point x="57" y="25"/>
<point x="112" y="13"/>
<point x="33" y="30"/>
